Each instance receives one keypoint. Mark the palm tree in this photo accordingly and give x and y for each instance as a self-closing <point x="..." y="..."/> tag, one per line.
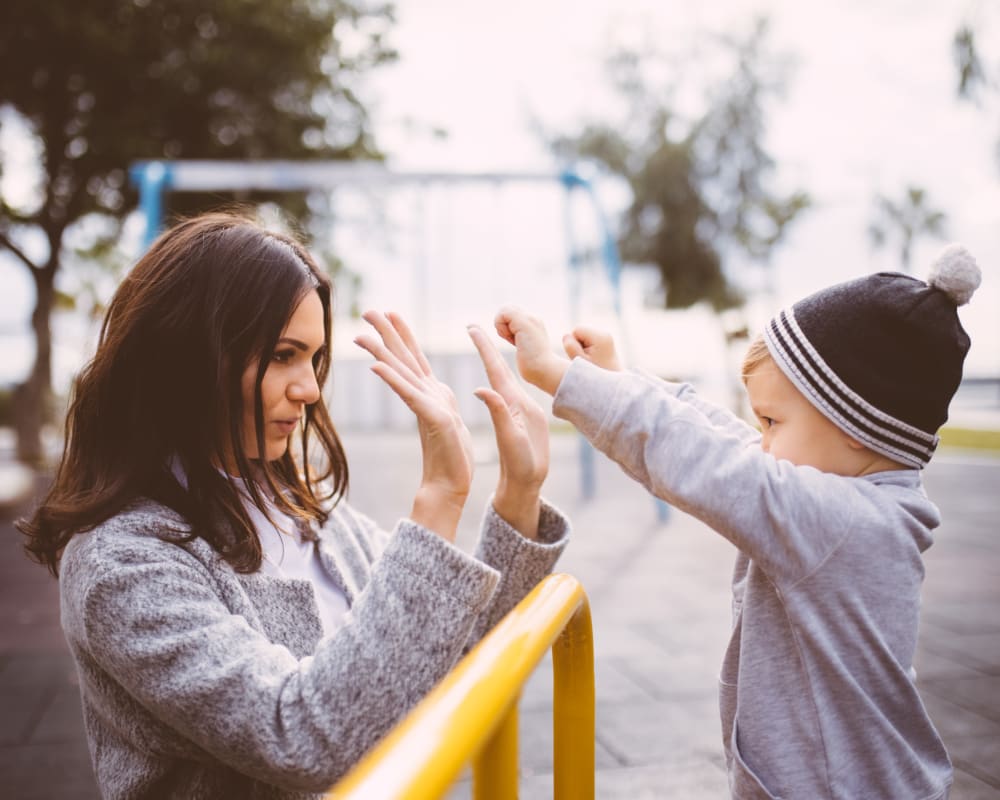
<point x="908" y="219"/>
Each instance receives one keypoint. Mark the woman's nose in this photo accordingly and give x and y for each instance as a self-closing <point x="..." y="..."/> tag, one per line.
<point x="304" y="388"/>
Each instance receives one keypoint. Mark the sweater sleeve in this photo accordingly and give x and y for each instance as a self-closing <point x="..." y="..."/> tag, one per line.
<point x="785" y="517"/>
<point x="521" y="562"/>
<point x="150" y="614"/>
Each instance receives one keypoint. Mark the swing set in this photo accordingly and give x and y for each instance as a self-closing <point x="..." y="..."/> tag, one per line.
<point x="155" y="179"/>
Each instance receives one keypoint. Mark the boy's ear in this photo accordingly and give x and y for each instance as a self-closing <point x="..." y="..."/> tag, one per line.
<point x="854" y="444"/>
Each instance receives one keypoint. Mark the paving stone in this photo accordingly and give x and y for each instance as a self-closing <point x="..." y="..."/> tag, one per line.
<point x="981" y="695"/>
<point x="43" y="772"/>
<point x="661" y="732"/>
<point x="535" y="743"/>
<point x="965" y="617"/>
<point x="969" y="787"/>
<point x="931" y="665"/>
<point x="977" y="755"/>
<point x="660" y="603"/>
<point x="61" y="718"/>
<point x="22" y="707"/>
<point x="34" y="669"/>
<point x="693" y="781"/>
<point x="954" y="721"/>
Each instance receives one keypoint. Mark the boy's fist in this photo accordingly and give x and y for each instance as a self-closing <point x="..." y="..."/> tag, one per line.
<point x="593" y="344"/>
<point x="536" y="361"/>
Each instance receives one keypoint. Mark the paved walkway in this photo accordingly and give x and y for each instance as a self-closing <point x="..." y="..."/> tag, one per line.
<point x="660" y="598"/>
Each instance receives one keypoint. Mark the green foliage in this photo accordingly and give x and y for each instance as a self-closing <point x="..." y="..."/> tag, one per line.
<point x="974" y="79"/>
<point x="102" y="83"/>
<point x="6" y="406"/>
<point x="971" y="75"/>
<point x="105" y="82"/>
<point x="970" y="438"/>
<point x="700" y="184"/>
<point x="906" y="220"/>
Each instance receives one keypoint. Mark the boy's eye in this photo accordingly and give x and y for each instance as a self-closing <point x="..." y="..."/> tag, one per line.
<point x="767" y="422"/>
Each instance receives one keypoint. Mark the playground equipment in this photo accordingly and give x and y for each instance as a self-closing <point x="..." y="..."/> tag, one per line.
<point x="155" y="178"/>
<point x="472" y="714"/>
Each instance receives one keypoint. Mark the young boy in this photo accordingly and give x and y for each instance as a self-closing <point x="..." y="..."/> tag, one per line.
<point x="825" y="506"/>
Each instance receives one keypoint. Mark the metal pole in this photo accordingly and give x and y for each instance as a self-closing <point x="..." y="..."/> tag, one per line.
<point x="152" y="179"/>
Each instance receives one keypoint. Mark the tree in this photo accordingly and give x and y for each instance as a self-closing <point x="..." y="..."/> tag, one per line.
<point x="699" y="184"/>
<point x="907" y="220"/>
<point x="101" y="83"/>
<point x="974" y="79"/>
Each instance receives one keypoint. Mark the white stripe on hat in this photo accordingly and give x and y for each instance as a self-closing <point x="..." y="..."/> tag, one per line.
<point x="810" y="373"/>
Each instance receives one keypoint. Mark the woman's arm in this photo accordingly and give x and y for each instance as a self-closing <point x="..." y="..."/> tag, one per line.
<point x="164" y="629"/>
<point x="521" y="562"/>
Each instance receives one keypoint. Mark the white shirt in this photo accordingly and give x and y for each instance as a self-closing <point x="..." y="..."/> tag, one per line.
<point x="287" y="555"/>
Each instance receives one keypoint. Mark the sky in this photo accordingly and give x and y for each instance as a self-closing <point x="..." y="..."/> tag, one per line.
<point x="870" y="108"/>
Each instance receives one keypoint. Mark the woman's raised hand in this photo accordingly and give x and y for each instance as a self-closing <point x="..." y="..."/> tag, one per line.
<point x="445" y="442"/>
<point x="522" y="433"/>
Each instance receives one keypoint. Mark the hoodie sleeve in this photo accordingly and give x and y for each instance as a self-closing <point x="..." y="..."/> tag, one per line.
<point x="786" y="518"/>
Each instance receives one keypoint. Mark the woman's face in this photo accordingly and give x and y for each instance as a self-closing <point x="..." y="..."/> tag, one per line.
<point x="289" y="384"/>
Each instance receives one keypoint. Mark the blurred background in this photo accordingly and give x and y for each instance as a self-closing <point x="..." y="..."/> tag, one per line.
<point x="737" y="154"/>
<point x="741" y="153"/>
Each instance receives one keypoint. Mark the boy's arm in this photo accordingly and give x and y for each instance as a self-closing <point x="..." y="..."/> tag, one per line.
<point x="784" y="517"/>
<point x="720" y="417"/>
<point x="540" y="366"/>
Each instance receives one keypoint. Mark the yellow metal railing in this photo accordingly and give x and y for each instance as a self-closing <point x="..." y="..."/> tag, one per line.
<point x="471" y="716"/>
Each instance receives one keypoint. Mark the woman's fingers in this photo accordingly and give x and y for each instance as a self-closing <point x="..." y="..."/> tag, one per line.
<point x="503" y="422"/>
<point x="410" y="341"/>
<point x="393" y="340"/>
<point x="407" y="392"/>
<point x="384" y="355"/>
<point x="425" y="406"/>
<point x="497" y="371"/>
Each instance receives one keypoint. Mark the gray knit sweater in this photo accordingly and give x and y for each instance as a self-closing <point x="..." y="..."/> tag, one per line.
<point x="817" y="692"/>
<point x="199" y="682"/>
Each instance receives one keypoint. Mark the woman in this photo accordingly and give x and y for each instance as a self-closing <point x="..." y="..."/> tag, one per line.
<point x="239" y="630"/>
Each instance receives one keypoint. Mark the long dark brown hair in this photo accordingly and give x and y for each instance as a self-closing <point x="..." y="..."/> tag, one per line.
<point x="160" y="406"/>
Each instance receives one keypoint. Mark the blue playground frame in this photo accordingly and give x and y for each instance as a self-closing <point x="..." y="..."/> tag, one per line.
<point x="155" y="178"/>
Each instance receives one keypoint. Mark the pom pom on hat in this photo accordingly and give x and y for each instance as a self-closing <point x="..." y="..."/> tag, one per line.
<point x="881" y="356"/>
<point x="955" y="273"/>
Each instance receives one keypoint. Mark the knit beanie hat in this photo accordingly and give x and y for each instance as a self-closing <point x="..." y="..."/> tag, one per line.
<point x="881" y="356"/>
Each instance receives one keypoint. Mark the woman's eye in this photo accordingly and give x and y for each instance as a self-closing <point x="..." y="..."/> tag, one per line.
<point x="283" y="356"/>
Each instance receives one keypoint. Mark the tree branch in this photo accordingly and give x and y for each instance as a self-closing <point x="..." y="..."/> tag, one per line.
<point x="17" y="251"/>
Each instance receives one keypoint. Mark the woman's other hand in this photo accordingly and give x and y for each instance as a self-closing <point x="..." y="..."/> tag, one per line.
<point x="522" y="433"/>
<point x="445" y="442"/>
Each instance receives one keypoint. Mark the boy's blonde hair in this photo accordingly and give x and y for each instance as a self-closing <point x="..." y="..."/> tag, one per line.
<point x="757" y="353"/>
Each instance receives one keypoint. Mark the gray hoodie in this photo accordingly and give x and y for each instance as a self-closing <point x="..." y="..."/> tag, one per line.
<point x="200" y="682"/>
<point x="817" y="692"/>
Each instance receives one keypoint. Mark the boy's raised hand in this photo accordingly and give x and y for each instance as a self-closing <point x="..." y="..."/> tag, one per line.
<point x="536" y="361"/>
<point x="593" y="344"/>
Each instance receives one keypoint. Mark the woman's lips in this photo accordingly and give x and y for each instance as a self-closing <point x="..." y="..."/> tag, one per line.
<point x="286" y="426"/>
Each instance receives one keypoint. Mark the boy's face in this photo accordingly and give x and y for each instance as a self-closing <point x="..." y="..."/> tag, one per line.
<point x="793" y="429"/>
